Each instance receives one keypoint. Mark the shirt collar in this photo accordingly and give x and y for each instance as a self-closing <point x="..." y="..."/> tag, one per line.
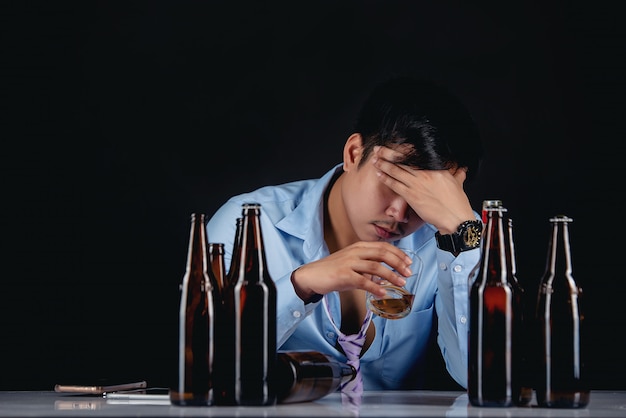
<point x="306" y="221"/>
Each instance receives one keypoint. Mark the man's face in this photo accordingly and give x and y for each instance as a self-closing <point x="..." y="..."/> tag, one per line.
<point x="376" y="213"/>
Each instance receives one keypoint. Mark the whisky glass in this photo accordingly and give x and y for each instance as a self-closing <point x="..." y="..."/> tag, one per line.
<point x="398" y="300"/>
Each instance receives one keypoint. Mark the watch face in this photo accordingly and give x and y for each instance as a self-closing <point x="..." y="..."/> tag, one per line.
<point x="471" y="237"/>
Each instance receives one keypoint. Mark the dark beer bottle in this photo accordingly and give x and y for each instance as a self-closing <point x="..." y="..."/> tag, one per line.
<point x="494" y="320"/>
<point x="303" y="376"/>
<point x="523" y="331"/>
<point x="216" y="261"/>
<point x="523" y="324"/>
<point x="250" y="323"/>
<point x="196" y="323"/>
<point x="223" y="353"/>
<point x="562" y="381"/>
<point x="234" y="256"/>
<point x="489" y="204"/>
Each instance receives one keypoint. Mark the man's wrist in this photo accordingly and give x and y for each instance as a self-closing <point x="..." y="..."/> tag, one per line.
<point x="314" y="299"/>
<point x="466" y="237"/>
<point x="307" y="297"/>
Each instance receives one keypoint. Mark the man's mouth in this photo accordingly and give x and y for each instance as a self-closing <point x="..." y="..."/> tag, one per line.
<point x="386" y="234"/>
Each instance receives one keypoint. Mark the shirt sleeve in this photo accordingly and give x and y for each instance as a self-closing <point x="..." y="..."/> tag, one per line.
<point x="290" y="309"/>
<point x="452" y="305"/>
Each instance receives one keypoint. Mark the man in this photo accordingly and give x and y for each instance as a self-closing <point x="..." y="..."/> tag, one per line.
<point x="400" y="185"/>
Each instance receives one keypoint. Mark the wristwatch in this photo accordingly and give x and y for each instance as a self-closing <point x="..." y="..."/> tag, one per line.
<point x="466" y="237"/>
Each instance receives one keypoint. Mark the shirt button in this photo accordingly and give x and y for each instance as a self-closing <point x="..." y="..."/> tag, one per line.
<point x="463" y="319"/>
<point x="330" y="335"/>
<point x="296" y="314"/>
<point x="458" y="268"/>
<point x="443" y="266"/>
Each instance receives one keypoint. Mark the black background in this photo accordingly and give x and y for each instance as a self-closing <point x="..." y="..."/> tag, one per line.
<point x="119" y="119"/>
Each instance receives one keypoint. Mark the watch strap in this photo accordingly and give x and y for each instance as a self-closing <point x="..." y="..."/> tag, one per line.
<point x="466" y="237"/>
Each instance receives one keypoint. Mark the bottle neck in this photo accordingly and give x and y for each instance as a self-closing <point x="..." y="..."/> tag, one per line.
<point x="496" y="251"/>
<point x="197" y="257"/>
<point x="559" y="262"/>
<point x="236" y="253"/>
<point x="216" y="262"/>
<point x="489" y="205"/>
<point x="252" y="264"/>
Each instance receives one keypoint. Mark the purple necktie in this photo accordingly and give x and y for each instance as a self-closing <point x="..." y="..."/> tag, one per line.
<point x="352" y="345"/>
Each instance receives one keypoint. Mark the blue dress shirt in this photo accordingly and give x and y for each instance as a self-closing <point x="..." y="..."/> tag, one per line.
<point x="293" y="234"/>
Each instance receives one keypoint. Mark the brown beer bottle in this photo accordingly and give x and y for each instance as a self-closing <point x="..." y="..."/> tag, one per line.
<point x="523" y="334"/>
<point x="249" y="362"/>
<point x="216" y="261"/>
<point x="562" y="381"/>
<point x="495" y="315"/>
<point x="524" y="341"/>
<point x="303" y="376"/>
<point x="224" y="357"/>
<point x="489" y="204"/>
<point x="234" y="256"/>
<point x="196" y="323"/>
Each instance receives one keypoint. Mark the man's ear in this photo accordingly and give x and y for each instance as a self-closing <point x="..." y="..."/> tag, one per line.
<point x="352" y="151"/>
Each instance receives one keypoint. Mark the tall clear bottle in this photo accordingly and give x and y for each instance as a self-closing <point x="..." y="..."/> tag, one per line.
<point x="562" y="381"/>
<point x="196" y="323"/>
<point x="250" y="331"/>
<point x="495" y="315"/>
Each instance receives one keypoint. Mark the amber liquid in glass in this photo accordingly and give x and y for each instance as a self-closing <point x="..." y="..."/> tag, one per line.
<point x="393" y="308"/>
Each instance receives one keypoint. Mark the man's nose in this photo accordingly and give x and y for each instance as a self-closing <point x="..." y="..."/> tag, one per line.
<point x="400" y="210"/>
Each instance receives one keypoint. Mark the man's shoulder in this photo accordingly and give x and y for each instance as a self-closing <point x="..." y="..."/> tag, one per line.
<point x="275" y="194"/>
<point x="289" y="203"/>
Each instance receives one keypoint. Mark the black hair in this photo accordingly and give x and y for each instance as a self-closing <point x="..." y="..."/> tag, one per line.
<point x="424" y="114"/>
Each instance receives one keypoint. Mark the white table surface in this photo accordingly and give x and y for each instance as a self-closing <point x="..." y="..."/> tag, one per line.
<point x="373" y="404"/>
